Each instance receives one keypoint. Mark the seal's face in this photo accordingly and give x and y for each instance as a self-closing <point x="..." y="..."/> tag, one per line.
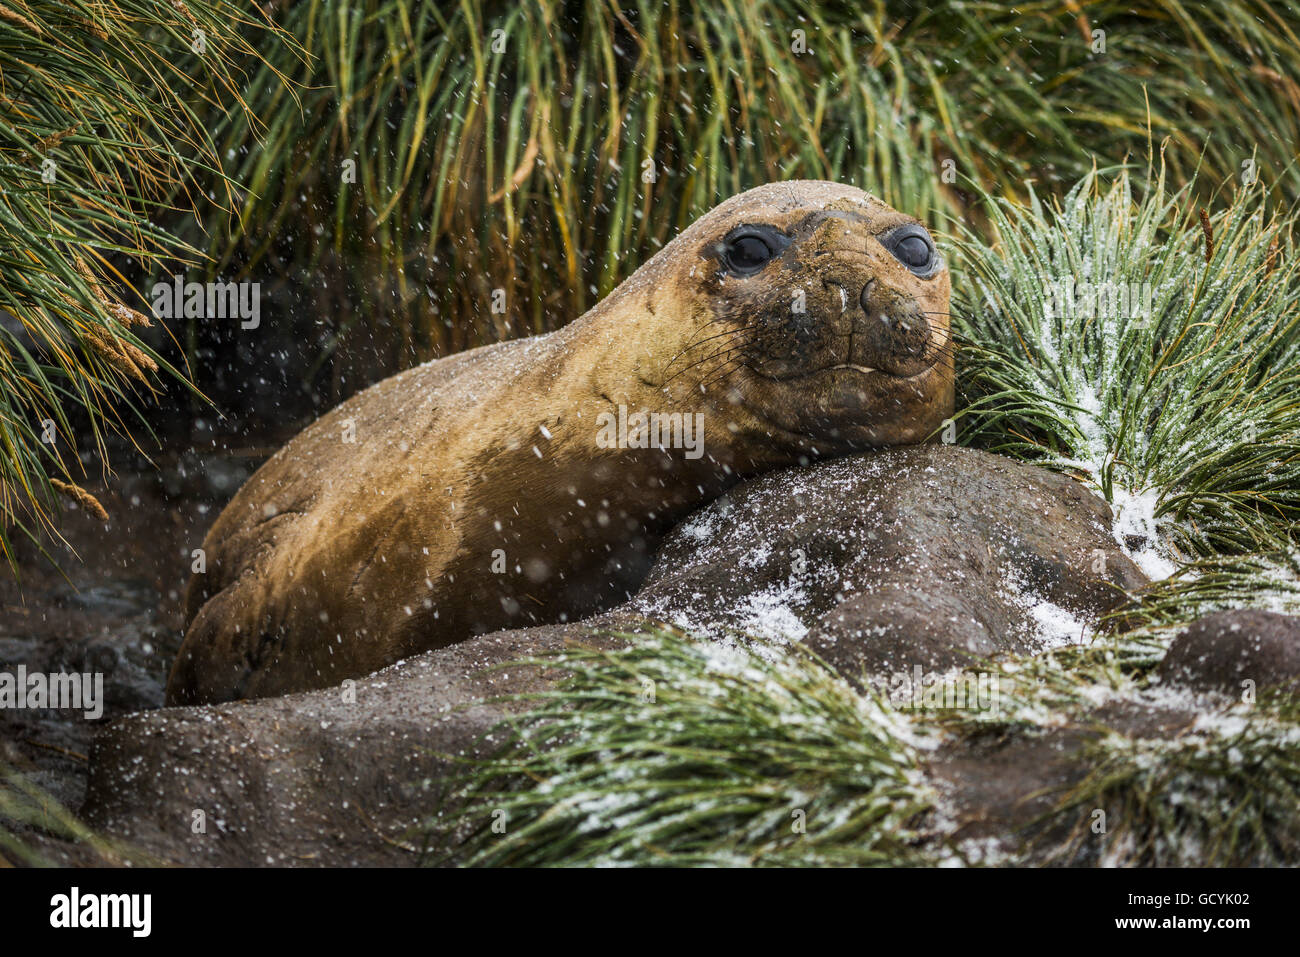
<point x="828" y="314"/>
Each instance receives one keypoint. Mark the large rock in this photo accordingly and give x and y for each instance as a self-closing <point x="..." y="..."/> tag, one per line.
<point x="334" y="777"/>
<point x="921" y="556"/>
<point x="908" y="556"/>
<point x="1235" y="651"/>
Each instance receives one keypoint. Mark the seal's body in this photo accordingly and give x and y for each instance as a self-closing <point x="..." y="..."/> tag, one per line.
<point x="516" y="484"/>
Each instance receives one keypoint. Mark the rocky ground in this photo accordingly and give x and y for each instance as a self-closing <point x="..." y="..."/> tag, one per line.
<point x="882" y="563"/>
<point x="109" y="602"/>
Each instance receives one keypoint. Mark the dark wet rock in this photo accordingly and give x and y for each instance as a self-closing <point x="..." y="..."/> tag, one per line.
<point x="882" y="561"/>
<point x="1003" y="793"/>
<point x="113" y="639"/>
<point x="896" y="628"/>
<point x="1233" y="651"/>
<point x="109" y="608"/>
<point x="327" y="778"/>
<point x="212" y="476"/>
<point x="913" y="556"/>
<point x="997" y="791"/>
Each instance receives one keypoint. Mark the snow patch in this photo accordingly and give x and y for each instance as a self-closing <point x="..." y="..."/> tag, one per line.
<point x="1054" y="626"/>
<point x="1136" y="522"/>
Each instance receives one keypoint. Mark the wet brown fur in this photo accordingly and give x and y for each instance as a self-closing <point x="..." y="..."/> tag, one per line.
<point x="339" y="557"/>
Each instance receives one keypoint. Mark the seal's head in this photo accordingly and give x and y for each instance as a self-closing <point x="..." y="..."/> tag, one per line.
<point x="823" y="312"/>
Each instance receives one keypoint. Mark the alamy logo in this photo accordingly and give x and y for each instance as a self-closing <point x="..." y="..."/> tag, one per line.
<point x="1069" y="299"/>
<point x="966" y="691"/>
<point x="102" y="910"/>
<point x="213" y="300"/>
<point x="651" y="430"/>
<point x="74" y="692"/>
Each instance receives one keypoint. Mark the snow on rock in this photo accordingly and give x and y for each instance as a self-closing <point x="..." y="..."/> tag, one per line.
<point x="924" y="555"/>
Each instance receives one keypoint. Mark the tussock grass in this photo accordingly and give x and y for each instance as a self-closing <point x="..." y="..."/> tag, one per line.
<point x="711" y="768"/>
<point x="102" y="130"/>
<point x="1267" y="580"/>
<point x="503" y="145"/>
<point x="1186" y="419"/>
<point x="1223" y="793"/>
<point x="675" y="753"/>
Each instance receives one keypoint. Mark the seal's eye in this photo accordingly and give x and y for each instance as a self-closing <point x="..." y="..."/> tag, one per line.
<point x="748" y="252"/>
<point x="747" y="249"/>
<point x="913" y="247"/>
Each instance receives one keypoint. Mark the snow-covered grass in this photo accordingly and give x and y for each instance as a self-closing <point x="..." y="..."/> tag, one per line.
<point x="676" y="751"/>
<point x="1224" y="792"/>
<point x="1267" y="581"/>
<point x="686" y="752"/>
<point x="1148" y="349"/>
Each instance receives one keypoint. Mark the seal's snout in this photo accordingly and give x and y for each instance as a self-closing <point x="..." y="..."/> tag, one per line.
<point x="892" y="333"/>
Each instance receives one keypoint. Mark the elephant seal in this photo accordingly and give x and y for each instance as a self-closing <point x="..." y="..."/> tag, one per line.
<point x="529" y="481"/>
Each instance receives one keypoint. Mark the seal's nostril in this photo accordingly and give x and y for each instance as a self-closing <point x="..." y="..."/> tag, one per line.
<point x="866" y="294"/>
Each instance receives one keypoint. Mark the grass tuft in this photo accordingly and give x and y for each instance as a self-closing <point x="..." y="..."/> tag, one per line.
<point x="1147" y="348"/>
<point x="675" y="752"/>
<point x="1222" y="794"/>
<point x="102" y="132"/>
<point x="680" y="753"/>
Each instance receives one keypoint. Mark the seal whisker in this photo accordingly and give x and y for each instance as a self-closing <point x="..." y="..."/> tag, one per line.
<point x="695" y="344"/>
<point x="720" y="351"/>
<point x="730" y="332"/>
<point x="725" y="356"/>
<point x="729" y="367"/>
